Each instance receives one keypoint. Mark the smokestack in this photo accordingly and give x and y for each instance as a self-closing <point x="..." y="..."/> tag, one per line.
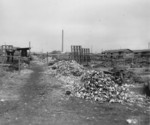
<point x="149" y="45"/>
<point x="62" y="40"/>
<point x="29" y="48"/>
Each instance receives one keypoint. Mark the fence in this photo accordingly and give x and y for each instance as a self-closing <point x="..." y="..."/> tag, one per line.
<point x="5" y="61"/>
<point x="79" y="54"/>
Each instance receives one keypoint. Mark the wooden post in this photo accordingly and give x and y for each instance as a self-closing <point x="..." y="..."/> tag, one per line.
<point x="47" y="58"/>
<point x="29" y="57"/>
<point x="87" y="59"/>
<point x="124" y="62"/>
<point x="19" y="64"/>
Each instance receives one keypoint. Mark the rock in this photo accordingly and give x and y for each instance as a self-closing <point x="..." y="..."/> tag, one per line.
<point x="2" y="100"/>
<point x="132" y="121"/>
<point x="68" y="92"/>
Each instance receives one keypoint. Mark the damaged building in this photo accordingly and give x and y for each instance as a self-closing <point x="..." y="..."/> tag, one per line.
<point x="9" y="52"/>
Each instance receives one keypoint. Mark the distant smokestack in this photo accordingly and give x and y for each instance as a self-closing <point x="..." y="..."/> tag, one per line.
<point x="29" y="48"/>
<point x="62" y="40"/>
<point x="149" y="45"/>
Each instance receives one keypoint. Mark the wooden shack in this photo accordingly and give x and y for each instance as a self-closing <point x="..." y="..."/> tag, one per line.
<point x="24" y="51"/>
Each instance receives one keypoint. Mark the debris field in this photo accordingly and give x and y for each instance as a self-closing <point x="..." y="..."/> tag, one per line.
<point x="96" y="85"/>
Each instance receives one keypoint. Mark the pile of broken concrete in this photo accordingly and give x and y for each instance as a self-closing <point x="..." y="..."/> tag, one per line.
<point x="67" y="68"/>
<point x="125" y="76"/>
<point x="91" y="84"/>
<point x="101" y="87"/>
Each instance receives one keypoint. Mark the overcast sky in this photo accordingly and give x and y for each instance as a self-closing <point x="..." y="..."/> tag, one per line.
<point x="97" y="24"/>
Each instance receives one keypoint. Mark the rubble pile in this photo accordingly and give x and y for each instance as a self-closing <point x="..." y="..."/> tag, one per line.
<point x="49" y="59"/>
<point x="24" y="65"/>
<point x="67" y="68"/>
<point x="2" y="72"/>
<point x="71" y="83"/>
<point x="93" y="85"/>
<point x="101" y="87"/>
<point x="124" y="76"/>
<point x="104" y="64"/>
<point x="131" y="77"/>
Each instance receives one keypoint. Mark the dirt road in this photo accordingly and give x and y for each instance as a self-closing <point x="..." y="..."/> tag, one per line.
<point x="42" y="101"/>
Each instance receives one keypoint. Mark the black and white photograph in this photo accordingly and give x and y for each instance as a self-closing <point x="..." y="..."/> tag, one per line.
<point x="74" y="62"/>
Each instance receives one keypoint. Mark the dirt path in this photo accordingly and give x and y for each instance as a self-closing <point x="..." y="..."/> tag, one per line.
<point x="43" y="102"/>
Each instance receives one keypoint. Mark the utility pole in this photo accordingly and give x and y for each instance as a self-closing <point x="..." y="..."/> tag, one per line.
<point x="29" y="48"/>
<point x="29" y="53"/>
<point x="149" y="57"/>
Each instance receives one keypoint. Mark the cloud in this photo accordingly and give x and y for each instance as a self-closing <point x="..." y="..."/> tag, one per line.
<point x="103" y="24"/>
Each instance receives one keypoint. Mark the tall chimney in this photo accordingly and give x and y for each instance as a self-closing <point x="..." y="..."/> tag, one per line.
<point x="62" y="40"/>
<point x="29" y="48"/>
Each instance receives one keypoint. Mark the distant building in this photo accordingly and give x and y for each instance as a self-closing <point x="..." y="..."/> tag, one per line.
<point x="10" y="51"/>
<point x="120" y="53"/>
<point x="4" y="49"/>
<point x="142" y="53"/>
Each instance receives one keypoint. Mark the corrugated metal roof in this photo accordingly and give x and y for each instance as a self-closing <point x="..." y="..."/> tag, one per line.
<point x="26" y="48"/>
<point x="143" y="50"/>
